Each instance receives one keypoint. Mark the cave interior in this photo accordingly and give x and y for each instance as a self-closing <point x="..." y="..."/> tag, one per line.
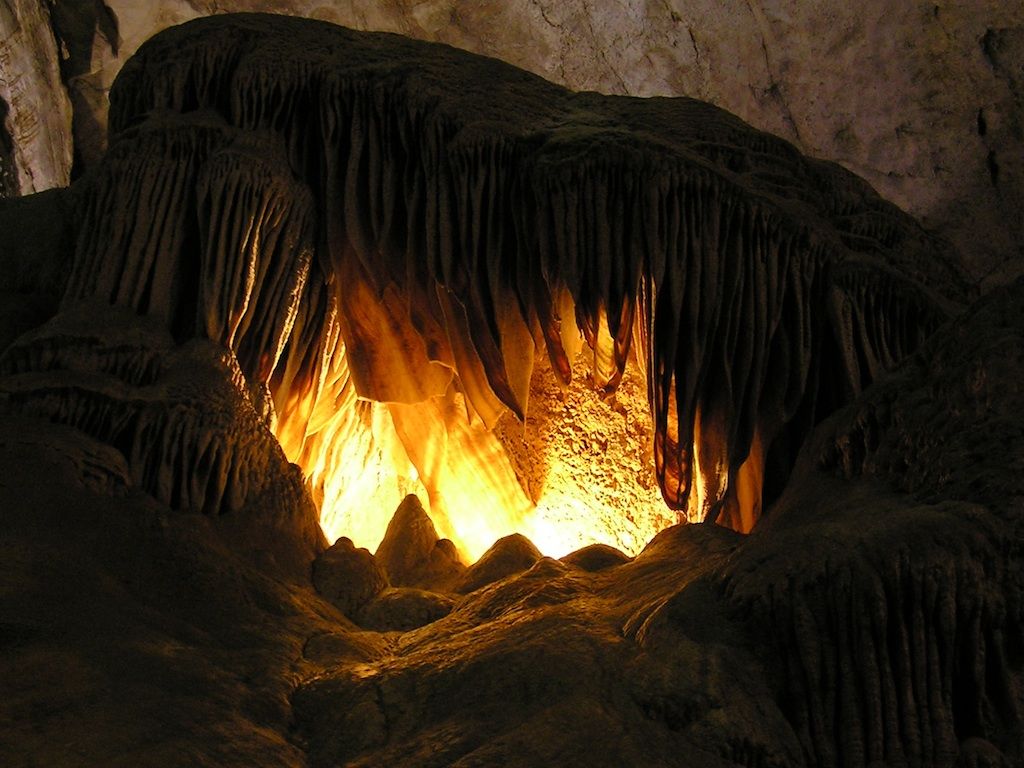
<point x="373" y="402"/>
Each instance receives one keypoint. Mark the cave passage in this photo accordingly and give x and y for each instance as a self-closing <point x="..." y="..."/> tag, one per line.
<point x="421" y="258"/>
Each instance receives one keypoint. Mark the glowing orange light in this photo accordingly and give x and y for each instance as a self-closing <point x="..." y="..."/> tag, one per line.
<point x="577" y="472"/>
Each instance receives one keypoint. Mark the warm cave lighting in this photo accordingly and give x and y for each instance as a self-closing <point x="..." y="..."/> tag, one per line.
<point x="578" y="471"/>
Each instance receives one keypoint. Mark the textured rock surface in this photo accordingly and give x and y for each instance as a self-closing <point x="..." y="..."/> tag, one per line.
<point x="897" y="633"/>
<point x="923" y="101"/>
<point x="35" y="113"/>
<point x="157" y="548"/>
<point x="509" y="555"/>
<point x="763" y="288"/>
<point x="411" y="552"/>
<point x="870" y="620"/>
<point x="180" y="416"/>
<point x="347" y="577"/>
<point x="404" y="608"/>
<point x="595" y="557"/>
<point x="133" y="634"/>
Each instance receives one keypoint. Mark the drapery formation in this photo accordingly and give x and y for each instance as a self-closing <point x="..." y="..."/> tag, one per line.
<point x="359" y="214"/>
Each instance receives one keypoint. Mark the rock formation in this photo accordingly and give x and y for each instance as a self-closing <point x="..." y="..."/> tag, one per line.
<point x="922" y="101"/>
<point x="286" y="184"/>
<point x="35" y="113"/>
<point x="297" y="224"/>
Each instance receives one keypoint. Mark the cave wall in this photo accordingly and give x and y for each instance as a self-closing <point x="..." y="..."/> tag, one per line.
<point x="35" y="113"/>
<point x="924" y="100"/>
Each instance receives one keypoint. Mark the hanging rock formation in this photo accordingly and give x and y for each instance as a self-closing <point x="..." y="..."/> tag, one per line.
<point x="888" y="580"/>
<point x="921" y="100"/>
<point x="295" y="222"/>
<point x="359" y="214"/>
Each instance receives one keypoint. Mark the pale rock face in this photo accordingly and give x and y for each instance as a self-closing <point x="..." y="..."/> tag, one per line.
<point x="35" y="113"/>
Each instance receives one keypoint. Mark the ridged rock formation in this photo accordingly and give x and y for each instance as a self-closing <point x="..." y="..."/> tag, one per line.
<point x="180" y="416"/>
<point x="299" y="228"/>
<point x="35" y="112"/>
<point x="365" y="215"/>
<point x="923" y="100"/>
<point x="888" y="581"/>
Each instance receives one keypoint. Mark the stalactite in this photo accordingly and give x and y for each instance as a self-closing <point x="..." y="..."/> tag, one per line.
<point x="489" y="201"/>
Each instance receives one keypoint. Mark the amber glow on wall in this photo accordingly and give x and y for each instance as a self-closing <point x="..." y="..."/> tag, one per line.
<point x="577" y="471"/>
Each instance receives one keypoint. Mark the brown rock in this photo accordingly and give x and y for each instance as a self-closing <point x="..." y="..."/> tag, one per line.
<point x="508" y="555"/>
<point x="348" y="577"/>
<point x="411" y="552"/>
<point x="35" y="112"/>
<point x="596" y="557"/>
<point x="404" y="608"/>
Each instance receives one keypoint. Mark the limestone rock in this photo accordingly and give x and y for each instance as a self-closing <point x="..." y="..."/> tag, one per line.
<point x="544" y="668"/>
<point x="180" y="416"/>
<point x="722" y="232"/>
<point x="404" y="608"/>
<point x="411" y="552"/>
<point x="907" y="99"/>
<point x="509" y="555"/>
<point x="865" y="622"/>
<point x="874" y="616"/>
<point x="347" y="577"/>
<point x="596" y="557"/>
<point x="35" y="113"/>
<point x="912" y="496"/>
<point x="169" y="641"/>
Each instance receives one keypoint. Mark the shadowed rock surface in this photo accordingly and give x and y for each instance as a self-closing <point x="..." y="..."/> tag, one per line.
<point x="411" y="552"/>
<point x="254" y="222"/>
<point x="508" y="556"/>
<point x="347" y="577"/>
<point x="596" y="557"/>
<point x="404" y="608"/>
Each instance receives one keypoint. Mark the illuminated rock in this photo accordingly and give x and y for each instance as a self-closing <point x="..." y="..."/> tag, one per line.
<point x="158" y="546"/>
<point x="35" y="112"/>
<point x="596" y="557"/>
<point x="463" y="217"/>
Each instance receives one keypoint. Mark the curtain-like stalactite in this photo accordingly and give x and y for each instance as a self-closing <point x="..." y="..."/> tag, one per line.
<point x="360" y="215"/>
